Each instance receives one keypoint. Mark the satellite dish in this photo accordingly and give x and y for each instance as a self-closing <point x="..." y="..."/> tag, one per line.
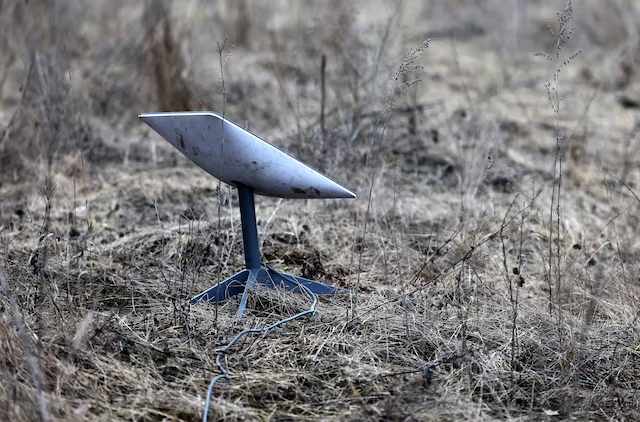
<point x="240" y="158"/>
<point x="234" y="155"/>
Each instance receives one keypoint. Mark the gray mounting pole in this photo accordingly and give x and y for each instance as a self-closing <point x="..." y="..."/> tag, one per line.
<point x="249" y="227"/>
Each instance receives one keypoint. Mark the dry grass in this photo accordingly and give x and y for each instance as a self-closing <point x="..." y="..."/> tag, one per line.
<point x="105" y="231"/>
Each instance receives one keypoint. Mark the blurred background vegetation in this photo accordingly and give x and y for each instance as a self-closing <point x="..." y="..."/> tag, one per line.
<point x="488" y="287"/>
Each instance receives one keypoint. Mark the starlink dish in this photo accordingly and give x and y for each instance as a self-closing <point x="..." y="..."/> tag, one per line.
<point x="240" y="158"/>
<point x="234" y="155"/>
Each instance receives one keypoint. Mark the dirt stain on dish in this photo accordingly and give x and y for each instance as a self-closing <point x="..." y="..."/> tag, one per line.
<point x="311" y="191"/>
<point x="180" y="139"/>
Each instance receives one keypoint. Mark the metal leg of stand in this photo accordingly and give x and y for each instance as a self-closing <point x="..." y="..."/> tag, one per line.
<point x="225" y="289"/>
<point x="292" y="283"/>
<point x="270" y="278"/>
<point x="252" y="281"/>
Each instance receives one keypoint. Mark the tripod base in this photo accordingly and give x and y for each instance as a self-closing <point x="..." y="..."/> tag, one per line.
<point x="247" y="279"/>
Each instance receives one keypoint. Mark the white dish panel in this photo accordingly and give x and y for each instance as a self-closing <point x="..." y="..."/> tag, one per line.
<point x="235" y="155"/>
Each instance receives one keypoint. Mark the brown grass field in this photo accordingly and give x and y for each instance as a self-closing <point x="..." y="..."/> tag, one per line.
<point x="491" y="252"/>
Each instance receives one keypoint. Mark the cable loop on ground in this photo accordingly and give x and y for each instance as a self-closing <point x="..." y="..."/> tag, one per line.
<point x="224" y="373"/>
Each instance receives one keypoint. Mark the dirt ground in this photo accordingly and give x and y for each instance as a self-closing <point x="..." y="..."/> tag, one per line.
<point x="492" y="252"/>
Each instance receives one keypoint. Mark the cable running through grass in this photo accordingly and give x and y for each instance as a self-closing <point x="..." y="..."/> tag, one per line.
<point x="224" y="374"/>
